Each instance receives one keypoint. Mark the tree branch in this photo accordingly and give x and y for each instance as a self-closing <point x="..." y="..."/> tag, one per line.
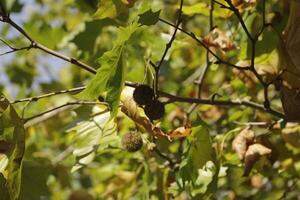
<point x="172" y="99"/>
<point x="222" y="103"/>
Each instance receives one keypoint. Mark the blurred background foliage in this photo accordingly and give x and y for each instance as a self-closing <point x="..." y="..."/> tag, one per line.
<point x="76" y="154"/>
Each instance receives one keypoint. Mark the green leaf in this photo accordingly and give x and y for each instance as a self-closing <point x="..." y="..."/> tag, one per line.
<point x="87" y="6"/>
<point x="92" y="136"/>
<point x="12" y="5"/>
<point x="45" y="34"/>
<point x="14" y="134"/>
<point x="35" y="175"/>
<point x="149" y="17"/>
<point x="201" y="147"/>
<point x="203" y="9"/>
<point x="86" y="39"/>
<point x="110" y="9"/>
<point x="110" y="76"/>
<point x="198" y="154"/>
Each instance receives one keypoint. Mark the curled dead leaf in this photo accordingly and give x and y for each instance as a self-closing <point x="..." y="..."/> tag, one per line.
<point x="218" y="40"/>
<point x="253" y="153"/>
<point x="180" y="132"/>
<point x="242" y="141"/>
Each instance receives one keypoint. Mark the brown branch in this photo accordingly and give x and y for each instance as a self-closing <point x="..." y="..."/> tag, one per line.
<point x="68" y="59"/>
<point x="37" y="45"/>
<point x="172" y="99"/>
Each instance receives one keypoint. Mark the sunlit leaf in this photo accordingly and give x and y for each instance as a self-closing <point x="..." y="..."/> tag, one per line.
<point x="14" y="133"/>
<point x="110" y="9"/>
<point x="91" y="137"/>
<point x="203" y="9"/>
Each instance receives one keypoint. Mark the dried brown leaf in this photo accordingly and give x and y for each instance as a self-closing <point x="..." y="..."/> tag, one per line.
<point x="242" y="141"/>
<point x="218" y="40"/>
<point x="254" y="152"/>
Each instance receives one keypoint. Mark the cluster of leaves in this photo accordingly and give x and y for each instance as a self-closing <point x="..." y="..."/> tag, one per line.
<point x="195" y="151"/>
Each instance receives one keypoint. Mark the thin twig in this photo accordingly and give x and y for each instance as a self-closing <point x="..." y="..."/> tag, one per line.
<point x="194" y="37"/>
<point x="36" y="98"/>
<point x="208" y="63"/>
<point x="240" y="18"/>
<point x="68" y="59"/>
<point x="15" y="50"/>
<point x="7" y="44"/>
<point x="253" y="41"/>
<point x="222" y="103"/>
<point x="62" y="106"/>
<point x="168" y="46"/>
<point x="202" y="76"/>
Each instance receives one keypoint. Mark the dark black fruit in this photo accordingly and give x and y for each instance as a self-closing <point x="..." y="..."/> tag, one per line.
<point x="155" y="110"/>
<point x="101" y="99"/>
<point x="143" y="94"/>
<point x="132" y="141"/>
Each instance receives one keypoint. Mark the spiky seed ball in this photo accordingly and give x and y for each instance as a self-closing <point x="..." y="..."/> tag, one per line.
<point x="132" y="141"/>
<point x="155" y="110"/>
<point x="143" y="94"/>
